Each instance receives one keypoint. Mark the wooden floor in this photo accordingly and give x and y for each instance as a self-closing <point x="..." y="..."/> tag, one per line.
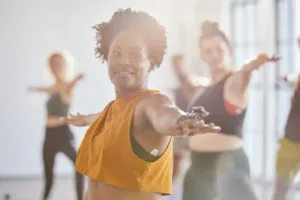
<point x="63" y="189"/>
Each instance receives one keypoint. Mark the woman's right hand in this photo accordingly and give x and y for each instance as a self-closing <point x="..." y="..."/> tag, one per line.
<point x="77" y="119"/>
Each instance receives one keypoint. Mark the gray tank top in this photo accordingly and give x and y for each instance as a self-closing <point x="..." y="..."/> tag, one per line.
<point x="56" y="107"/>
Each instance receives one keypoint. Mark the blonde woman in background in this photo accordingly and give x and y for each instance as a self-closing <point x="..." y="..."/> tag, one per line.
<point x="58" y="136"/>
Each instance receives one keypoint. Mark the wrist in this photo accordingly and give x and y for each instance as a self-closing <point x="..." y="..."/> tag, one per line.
<point x="198" y="113"/>
<point x="85" y="120"/>
<point x="249" y="67"/>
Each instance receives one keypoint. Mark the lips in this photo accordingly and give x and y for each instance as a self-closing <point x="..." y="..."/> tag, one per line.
<point x="123" y="73"/>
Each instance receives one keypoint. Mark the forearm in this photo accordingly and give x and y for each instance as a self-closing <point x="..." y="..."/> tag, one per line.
<point x="40" y="89"/>
<point x="242" y="78"/>
<point x="166" y="118"/>
<point x="91" y="118"/>
<point x="55" y="121"/>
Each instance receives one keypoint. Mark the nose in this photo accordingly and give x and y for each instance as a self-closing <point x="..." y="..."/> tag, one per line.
<point x="215" y="54"/>
<point x="125" y="60"/>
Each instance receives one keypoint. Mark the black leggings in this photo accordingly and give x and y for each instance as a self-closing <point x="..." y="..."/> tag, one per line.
<point x="218" y="175"/>
<point x="59" y="140"/>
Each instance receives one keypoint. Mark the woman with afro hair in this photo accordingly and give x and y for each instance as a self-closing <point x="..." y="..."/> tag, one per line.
<point x="127" y="151"/>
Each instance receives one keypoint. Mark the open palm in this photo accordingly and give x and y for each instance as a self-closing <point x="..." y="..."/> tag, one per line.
<point x="77" y="119"/>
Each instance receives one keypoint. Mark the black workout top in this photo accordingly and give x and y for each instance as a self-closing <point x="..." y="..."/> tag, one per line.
<point x="292" y="128"/>
<point x="212" y="99"/>
<point x="56" y="106"/>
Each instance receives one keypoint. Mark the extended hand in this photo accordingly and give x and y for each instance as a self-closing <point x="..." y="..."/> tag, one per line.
<point x="193" y="123"/>
<point x="262" y="59"/>
<point x="190" y="127"/>
<point x="77" y="119"/>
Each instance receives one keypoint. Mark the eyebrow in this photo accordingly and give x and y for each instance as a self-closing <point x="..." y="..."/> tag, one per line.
<point x="133" y="48"/>
<point x="136" y="48"/>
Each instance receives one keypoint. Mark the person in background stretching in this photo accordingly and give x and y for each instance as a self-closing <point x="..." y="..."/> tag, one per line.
<point x="182" y="95"/>
<point x="127" y="153"/>
<point x="288" y="154"/>
<point x="58" y="137"/>
<point x="219" y="166"/>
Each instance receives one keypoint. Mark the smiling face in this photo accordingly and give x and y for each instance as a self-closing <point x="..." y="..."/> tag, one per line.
<point x="128" y="61"/>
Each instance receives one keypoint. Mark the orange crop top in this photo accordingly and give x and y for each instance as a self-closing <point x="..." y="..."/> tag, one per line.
<point x="106" y="155"/>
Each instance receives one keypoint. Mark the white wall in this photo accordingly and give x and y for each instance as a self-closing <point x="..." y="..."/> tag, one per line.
<point x="30" y="30"/>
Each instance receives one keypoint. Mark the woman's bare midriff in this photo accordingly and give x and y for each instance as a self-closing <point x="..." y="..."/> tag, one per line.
<point x="214" y="142"/>
<point x="100" y="191"/>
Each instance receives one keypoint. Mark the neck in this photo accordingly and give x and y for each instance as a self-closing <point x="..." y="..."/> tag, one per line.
<point x="218" y="74"/>
<point x="182" y="78"/>
<point x="59" y="81"/>
<point x="126" y="91"/>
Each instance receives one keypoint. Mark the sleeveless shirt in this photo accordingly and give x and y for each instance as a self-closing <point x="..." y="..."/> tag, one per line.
<point x="106" y="154"/>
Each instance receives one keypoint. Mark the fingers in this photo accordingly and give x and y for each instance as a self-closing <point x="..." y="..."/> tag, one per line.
<point x="206" y="128"/>
<point x="193" y="126"/>
<point x="186" y="126"/>
<point x="274" y="59"/>
<point x="263" y="58"/>
<point x="72" y="115"/>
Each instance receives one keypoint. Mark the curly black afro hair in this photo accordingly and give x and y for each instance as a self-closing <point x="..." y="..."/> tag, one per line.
<point x="152" y="32"/>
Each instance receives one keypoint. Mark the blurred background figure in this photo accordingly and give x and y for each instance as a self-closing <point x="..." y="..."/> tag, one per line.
<point x="288" y="154"/>
<point x="219" y="166"/>
<point x="186" y="89"/>
<point x="58" y="136"/>
<point x="182" y="95"/>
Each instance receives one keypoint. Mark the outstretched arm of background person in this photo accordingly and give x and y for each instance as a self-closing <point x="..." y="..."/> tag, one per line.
<point x="237" y="86"/>
<point x="168" y="119"/>
<point x="75" y="80"/>
<point x="240" y="80"/>
<point x="41" y="89"/>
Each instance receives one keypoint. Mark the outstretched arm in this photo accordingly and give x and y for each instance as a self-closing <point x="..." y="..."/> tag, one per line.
<point x="41" y="89"/>
<point x="237" y="85"/>
<point x="241" y="79"/>
<point x="75" y="80"/>
<point x="168" y="119"/>
<point x="82" y="120"/>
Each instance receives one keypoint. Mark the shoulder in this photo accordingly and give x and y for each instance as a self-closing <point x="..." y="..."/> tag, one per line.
<point x="154" y="102"/>
<point x="157" y="99"/>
